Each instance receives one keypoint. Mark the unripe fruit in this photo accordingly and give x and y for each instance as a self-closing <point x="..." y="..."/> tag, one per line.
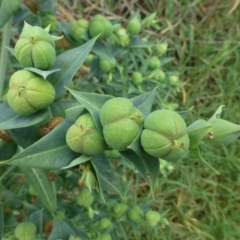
<point x="154" y="63"/>
<point x="152" y="217"/>
<point x="100" y="25"/>
<point x="121" y="122"/>
<point x="162" y="48"/>
<point x="25" y="231"/>
<point x="35" y="48"/>
<point x="165" y="135"/>
<point x="112" y="153"/>
<point x="85" y="198"/>
<point x="119" y="210"/>
<point x="135" y="214"/>
<point x="159" y="75"/>
<point x="51" y="20"/>
<point x="134" y="26"/>
<point x="104" y="224"/>
<point x="173" y="80"/>
<point x="104" y="236"/>
<point x="121" y="37"/>
<point x="78" y="28"/>
<point x="89" y="59"/>
<point x="106" y="65"/>
<point x="137" y="78"/>
<point x="29" y="92"/>
<point x="83" y="136"/>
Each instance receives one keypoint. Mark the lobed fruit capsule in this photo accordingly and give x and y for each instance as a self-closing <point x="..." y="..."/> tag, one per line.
<point x="137" y="78"/>
<point x="85" y="198"/>
<point x="164" y="135"/>
<point x="78" y="29"/>
<point x="104" y="223"/>
<point x="121" y="122"/>
<point x="83" y="136"/>
<point x="35" y="48"/>
<point x="106" y="65"/>
<point x="25" y="231"/>
<point x="121" y="37"/>
<point x="154" y="63"/>
<point x="100" y="25"/>
<point x="135" y="214"/>
<point x="152" y="217"/>
<point x="29" y="92"/>
<point x="134" y="26"/>
<point x="51" y="20"/>
<point x="119" y="210"/>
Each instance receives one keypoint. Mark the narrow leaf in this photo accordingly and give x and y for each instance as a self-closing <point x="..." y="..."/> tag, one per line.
<point x="45" y="191"/>
<point x="184" y="114"/>
<point x="37" y="218"/>
<point x="73" y="108"/>
<point x="44" y="74"/>
<point x="69" y="62"/>
<point x="217" y="113"/>
<point x="10" y="120"/>
<point x="196" y="131"/>
<point x="11" y="50"/>
<point x="93" y="103"/>
<point x="101" y="50"/>
<point x="50" y="152"/>
<point x="82" y="159"/>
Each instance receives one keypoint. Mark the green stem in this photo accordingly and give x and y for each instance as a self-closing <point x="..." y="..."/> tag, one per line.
<point x="4" y="53"/>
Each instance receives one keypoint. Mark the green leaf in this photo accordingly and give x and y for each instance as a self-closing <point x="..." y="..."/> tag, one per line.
<point x="7" y="150"/>
<point x="50" y="152"/>
<point x="42" y="73"/>
<point x="137" y="42"/>
<point x="25" y="137"/>
<point x="184" y="114"/>
<point x="144" y="102"/>
<point x="196" y="131"/>
<point x="37" y="218"/>
<point x="69" y="62"/>
<point x="62" y="229"/>
<point x="147" y="166"/>
<point x="106" y="174"/>
<point x="7" y="9"/>
<point x="82" y="159"/>
<point x="11" y="120"/>
<point x="217" y="113"/>
<point x="93" y="103"/>
<point x="101" y="50"/>
<point x="44" y="188"/>
<point x="196" y="151"/>
<point x="1" y="222"/>
<point x="11" y="50"/>
<point x="73" y="109"/>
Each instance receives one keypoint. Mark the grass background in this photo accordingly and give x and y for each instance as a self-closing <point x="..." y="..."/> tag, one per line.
<point x="203" y="38"/>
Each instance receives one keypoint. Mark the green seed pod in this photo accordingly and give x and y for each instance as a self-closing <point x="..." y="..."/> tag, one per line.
<point x="154" y="63"/>
<point x="152" y="217"/>
<point x="85" y="198"/>
<point x="104" y="236"/>
<point x="112" y="153"/>
<point x="89" y="59"/>
<point x="134" y="26"/>
<point x="135" y="214"/>
<point x="173" y="80"/>
<point x="222" y="132"/>
<point x="165" y="135"/>
<point x="35" y="48"/>
<point x="25" y="230"/>
<point x="159" y="75"/>
<point x="106" y="65"/>
<point x="161" y="48"/>
<point x="137" y="78"/>
<point x="119" y="210"/>
<point x="78" y="29"/>
<point x="51" y="20"/>
<point x="83" y="136"/>
<point x="100" y="25"/>
<point x="121" y="37"/>
<point x="121" y="122"/>
<point x="29" y="92"/>
<point x="104" y="224"/>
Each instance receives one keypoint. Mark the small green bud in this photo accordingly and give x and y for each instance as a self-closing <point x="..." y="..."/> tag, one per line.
<point x="85" y="198"/>
<point x="104" y="224"/>
<point x="121" y="122"/>
<point x="173" y="80"/>
<point x="161" y="48"/>
<point x="25" y="231"/>
<point x="154" y="63"/>
<point x="83" y="136"/>
<point x="89" y="59"/>
<point x="121" y="37"/>
<point x="137" y="78"/>
<point x="51" y="20"/>
<point x="29" y="92"/>
<point x="106" y="65"/>
<point x="78" y="29"/>
<point x="164" y="135"/>
<point x="135" y="214"/>
<point x="159" y="75"/>
<point x="134" y="26"/>
<point x="119" y="210"/>
<point x="35" y="48"/>
<point x="152" y="217"/>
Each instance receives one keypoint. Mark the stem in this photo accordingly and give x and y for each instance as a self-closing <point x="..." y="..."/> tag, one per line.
<point x="4" y="53"/>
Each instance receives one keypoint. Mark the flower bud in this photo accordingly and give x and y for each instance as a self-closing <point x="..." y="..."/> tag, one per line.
<point x="164" y="135"/>
<point x="134" y="26"/>
<point x="173" y="80"/>
<point x="135" y="214"/>
<point x="51" y="20"/>
<point x="78" y="28"/>
<point x="121" y="122"/>
<point x="83" y="136"/>
<point x="35" y="48"/>
<point x="106" y="65"/>
<point x="25" y="230"/>
<point x="100" y="25"/>
<point x="119" y="210"/>
<point x="137" y="78"/>
<point x="158" y="74"/>
<point x="29" y="92"/>
<point x="152" y="217"/>
<point x="162" y="48"/>
<point x="121" y="37"/>
<point x="85" y="198"/>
